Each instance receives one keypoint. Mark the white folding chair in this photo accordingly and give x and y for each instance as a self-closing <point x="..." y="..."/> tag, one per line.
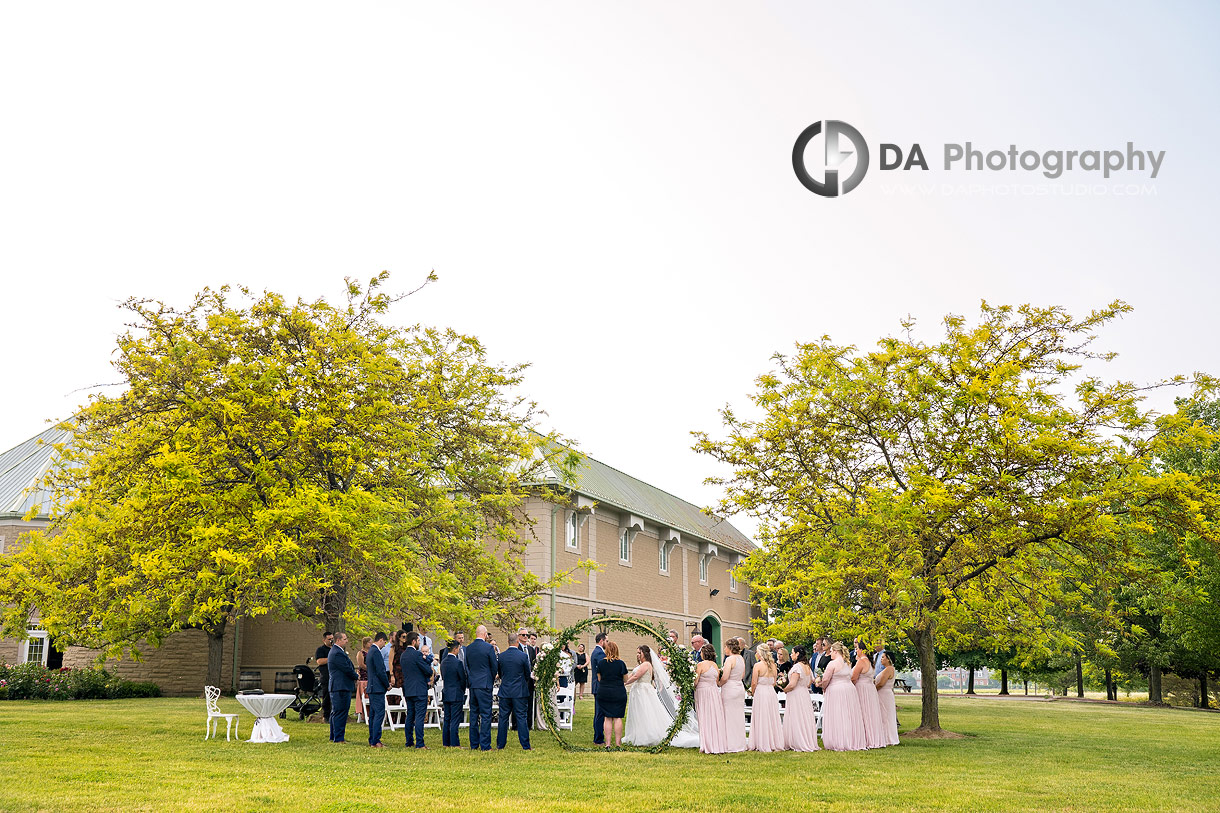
<point x="565" y="707"/>
<point x="211" y="695"/>
<point x="395" y="709"/>
<point x="432" y="714"/>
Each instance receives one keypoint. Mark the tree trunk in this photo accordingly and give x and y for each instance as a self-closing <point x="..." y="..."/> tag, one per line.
<point x="1111" y="694"/>
<point x="216" y="652"/>
<point x="334" y="605"/>
<point x="1203" y="704"/>
<point x="929" y="720"/>
<point x="1154" y="685"/>
<point x="1004" y="682"/>
<point x="1079" y="675"/>
<point x="970" y="681"/>
<point x="1027" y="688"/>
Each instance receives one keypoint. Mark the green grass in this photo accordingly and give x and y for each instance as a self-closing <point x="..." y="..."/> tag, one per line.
<point x="150" y="755"/>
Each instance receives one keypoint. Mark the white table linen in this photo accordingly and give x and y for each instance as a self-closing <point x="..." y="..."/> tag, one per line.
<point x="265" y="707"/>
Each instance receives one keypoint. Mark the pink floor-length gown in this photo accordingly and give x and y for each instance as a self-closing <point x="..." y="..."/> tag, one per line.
<point x="709" y="711"/>
<point x="842" y="725"/>
<point x="889" y="713"/>
<point x="870" y="710"/>
<point x="733" y="695"/>
<point x="766" y="726"/>
<point x="800" y="722"/>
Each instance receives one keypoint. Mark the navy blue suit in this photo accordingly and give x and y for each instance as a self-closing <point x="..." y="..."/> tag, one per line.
<point x="514" y="696"/>
<point x="482" y="666"/>
<point x="343" y="677"/>
<point x="453" y="695"/>
<point x="416" y="673"/>
<point x="599" y="719"/>
<point x="379" y="684"/>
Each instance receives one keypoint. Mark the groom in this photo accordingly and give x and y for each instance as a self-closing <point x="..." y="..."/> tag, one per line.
<point x="599" y="719"/>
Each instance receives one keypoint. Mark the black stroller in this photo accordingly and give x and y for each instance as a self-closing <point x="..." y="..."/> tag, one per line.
<point x="309" y="693"/>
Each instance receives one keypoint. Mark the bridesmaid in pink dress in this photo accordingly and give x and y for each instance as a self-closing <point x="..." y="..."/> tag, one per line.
<point x="766" y="726"/>
<point x="870" y="706"/>
<point x="842" y="725"/>
<point x="885" y="696"/>
<point x="733" y="696"/>
<point x="800" y="723"/>
<point x="709" y="710"/>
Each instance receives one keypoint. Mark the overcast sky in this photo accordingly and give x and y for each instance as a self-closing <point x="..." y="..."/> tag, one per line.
<point x="605" y="190"/>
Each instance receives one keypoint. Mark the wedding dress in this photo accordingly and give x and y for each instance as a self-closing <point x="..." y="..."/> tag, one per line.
<point x="688" y="734"/>
<point x="647" y="720"/>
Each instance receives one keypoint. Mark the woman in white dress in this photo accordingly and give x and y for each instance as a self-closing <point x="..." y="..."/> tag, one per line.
<point x="688" y="734"/>
<point x="647" y="720"/>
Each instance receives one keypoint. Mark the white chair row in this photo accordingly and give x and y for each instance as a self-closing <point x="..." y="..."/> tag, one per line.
<point x="396" y="708"/>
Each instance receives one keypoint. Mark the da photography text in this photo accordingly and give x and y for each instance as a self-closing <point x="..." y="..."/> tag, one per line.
<point x="840" y="142"/>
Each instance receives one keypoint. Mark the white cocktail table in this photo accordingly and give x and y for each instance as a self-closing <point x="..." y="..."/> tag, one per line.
<point x="264" y="707"/>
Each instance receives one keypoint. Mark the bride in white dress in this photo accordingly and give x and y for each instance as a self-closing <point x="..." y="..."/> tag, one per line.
<point x="647" y="720"/>
<point x="688" y="734"/>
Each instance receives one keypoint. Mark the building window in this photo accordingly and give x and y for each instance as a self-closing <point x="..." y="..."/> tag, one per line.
<point x="1" y="545"/>
<point x="573" y="531"/>
<point x="36" y="647"/>
<point x="624" y="546"/>
<point x="732" y="582"/>
<point x="703" y="569"/>
<point x="664" y="558"/>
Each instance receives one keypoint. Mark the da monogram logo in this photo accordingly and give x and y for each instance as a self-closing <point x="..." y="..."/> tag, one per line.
<point x="832" y="131"/>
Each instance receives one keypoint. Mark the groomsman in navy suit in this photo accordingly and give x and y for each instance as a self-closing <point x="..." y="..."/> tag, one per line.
<point x="416" y="675"/>
<point x="482" y="666"/>
<point x="514" y="693"/>
<point x="343" y="677"/>
<point x="453" y="694"/>
<point x="379" y="684"/>
<point x="599" y="719"/>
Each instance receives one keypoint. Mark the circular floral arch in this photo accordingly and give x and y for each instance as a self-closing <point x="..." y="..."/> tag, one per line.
<point x="680" y="672"/>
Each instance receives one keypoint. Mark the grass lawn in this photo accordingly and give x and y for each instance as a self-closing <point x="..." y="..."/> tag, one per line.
<point x="150" y="755"/>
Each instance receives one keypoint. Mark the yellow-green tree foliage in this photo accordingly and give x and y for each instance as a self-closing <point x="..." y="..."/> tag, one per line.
<point x="954" y="490"/>
<point x="294" y="459"/>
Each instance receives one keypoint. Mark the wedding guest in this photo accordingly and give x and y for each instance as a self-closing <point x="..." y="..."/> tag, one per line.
<point x="611" y="693"/>
<point x="842" y="725"/>
<point x="320" y="657"/>
<point x="733" y="696"/>
<point x="709" y="710"/>
<point x="885" y="697"/>
<point x="821" y="662"/>
<point x="800" y="721"/>
<point x="595" y="660"/>
<point x="416" y="677"/>
<point x="876" y="659"/>
<point x="400" y="644"/>
<point x="580" y="673"/>
<point x="453" y="695"/>
<point x="461" y="653"/>
<point x="672" y="637"/>
<point x="870" y="706"/>
<point x="696" y="644"/>
<point x="782" y="662"/>
<point x="379" y="684"/>
<point x="482" y="665"/>
<point x="766" y="727"/>
<point x="363" y="681"/>
<point x="343" y="678"/>
<point x="749" y="657"/>
<point x="382" y="642"/>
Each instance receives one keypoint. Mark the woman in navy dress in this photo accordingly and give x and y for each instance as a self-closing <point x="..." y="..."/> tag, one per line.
<point x="612" y="693"/>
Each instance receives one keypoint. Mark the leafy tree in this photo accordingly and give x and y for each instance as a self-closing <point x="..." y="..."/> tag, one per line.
<point x="949" y="488"/>
<point x="294" y="459"/>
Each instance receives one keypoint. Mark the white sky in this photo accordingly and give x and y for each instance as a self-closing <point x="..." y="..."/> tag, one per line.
<point x="605" y="190"/>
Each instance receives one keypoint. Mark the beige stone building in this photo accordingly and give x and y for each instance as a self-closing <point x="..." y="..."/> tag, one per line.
<point x="660" y="558"/>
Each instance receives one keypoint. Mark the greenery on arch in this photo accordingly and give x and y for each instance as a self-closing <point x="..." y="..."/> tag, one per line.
<point x="680" y="672"/>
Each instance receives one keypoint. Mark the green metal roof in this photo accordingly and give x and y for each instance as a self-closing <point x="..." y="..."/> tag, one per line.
<point x="607" y="484"/>
<point x="22" y="469"/>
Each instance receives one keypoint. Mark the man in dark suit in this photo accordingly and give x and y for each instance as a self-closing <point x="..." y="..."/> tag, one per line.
<point x="461" y="653"/>
<point x="482" y="665"/>
<point x="343" y="677"/>
<point x="696" y="646"/>
<point x="320" y="656"/>
<point x="416" y="675"/>
<point x="453" y="695"/>
<point x="514" y="694"/>
<point x="599" y="719"/>
<point x="747" y="655"/>
<point x="379" y="684"/>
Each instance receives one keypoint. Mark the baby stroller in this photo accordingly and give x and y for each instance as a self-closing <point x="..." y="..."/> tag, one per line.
<point x="309" y="693"/>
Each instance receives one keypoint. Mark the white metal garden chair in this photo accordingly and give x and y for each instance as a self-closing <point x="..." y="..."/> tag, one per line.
<point x="212" y="694"/>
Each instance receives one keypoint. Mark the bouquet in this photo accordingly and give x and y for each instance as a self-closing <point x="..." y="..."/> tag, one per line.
<point x="781" y="680"/>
